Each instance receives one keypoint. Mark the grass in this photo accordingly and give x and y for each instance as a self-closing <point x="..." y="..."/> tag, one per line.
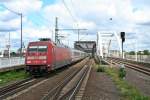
<point x="128" y="91"/>
<point x="10" y="76"/>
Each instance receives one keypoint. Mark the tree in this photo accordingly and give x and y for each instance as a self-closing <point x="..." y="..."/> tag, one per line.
<point x="13" y="54"/>
<point x="139" y="52"/>
<point x="131" y="53"/>
<point x="146" y="52"/>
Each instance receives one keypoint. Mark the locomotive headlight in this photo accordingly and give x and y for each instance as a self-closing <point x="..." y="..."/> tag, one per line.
<point x="44" y="61"/>
<point x="28" y="62"/>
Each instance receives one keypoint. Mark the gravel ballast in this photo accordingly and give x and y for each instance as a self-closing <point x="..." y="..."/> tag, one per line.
<point x="139" y="80"/>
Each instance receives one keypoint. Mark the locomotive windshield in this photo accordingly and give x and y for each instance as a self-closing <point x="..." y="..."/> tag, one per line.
<point x="42" y="48"/>
<point x="37" y="49"/>
<point x="32" y="48"/>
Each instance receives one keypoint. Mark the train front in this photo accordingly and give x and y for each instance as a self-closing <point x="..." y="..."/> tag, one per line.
<point x="36" y="58"/>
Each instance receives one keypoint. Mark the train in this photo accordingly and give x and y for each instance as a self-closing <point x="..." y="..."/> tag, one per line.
<point x="44" y="56"/>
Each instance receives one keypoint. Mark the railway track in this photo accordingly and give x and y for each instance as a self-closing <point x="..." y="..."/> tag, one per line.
<point x="69" y="87"/>
<point x="136" y="67"/>
<point x="18" y="86"/>
<point x="14" y="88"/>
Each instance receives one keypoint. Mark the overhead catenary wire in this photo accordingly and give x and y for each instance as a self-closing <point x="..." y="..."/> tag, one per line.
<point x="73" y="7"/>
<point x="71" y="14"/>
<point x="39" y="15"/>
<point x="69" y="11"/>
<point x="41" y="20"/>
<point x="74" y="11"/>
<point x="44" y="19"/>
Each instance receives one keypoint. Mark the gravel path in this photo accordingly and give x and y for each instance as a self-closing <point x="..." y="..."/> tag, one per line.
<point x="36" y="93"/>
<point x="100" y="87"/>
<point x="139" y="80"/>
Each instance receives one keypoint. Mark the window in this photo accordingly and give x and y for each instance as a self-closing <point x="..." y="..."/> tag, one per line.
<point x="42" y="49"/>
<point x="32" y="48"/>
<point x="37" y="49"/>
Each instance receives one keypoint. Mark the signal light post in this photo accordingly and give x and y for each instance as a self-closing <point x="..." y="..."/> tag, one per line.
<point x="122" y="71"/>
<point x="122" y="34"/>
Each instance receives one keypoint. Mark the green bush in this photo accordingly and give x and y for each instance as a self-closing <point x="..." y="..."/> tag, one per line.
<point x="122" y="73"/>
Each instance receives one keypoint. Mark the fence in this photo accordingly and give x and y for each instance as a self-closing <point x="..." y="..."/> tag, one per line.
<point x="140" y="58"/>
<point x="14" y="61"/>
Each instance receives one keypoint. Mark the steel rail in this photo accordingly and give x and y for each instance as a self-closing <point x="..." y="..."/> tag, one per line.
<point x="132" y="66"/>
<point x="55" y="92"/>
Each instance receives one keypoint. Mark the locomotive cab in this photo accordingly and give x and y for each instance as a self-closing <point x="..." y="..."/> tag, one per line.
<point x="37" y="57"/>
<point x="44" y="55"/>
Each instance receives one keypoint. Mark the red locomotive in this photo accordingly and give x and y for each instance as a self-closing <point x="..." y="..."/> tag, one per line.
<point x="44" y="56"/>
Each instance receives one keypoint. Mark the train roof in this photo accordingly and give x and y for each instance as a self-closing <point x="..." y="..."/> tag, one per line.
<point x="40" y="43"/>
<point x="46" y="43"/>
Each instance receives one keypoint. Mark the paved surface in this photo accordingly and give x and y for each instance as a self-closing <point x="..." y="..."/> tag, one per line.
<point x="100" y="87"/>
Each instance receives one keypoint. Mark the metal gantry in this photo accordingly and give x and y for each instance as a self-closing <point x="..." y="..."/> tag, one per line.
<point x="65" y="29"/>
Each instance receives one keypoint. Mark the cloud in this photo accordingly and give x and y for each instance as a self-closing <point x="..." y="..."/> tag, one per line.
<point x="87" y="24"/>
<point x="6" y="15"/>
<point x="142" y="15"/>
<point x="96" y="16"/>
<point x="24" y="6"/>
<point x="6" y="1"/>
<point x="93" y="15"/>
<point x="11" y="25"/>
<point x="7" y="29"/>
<point x="37" y="33"/>
<point x="144" y="23"/>
<point x="57" y="10"/>
<point x="29" y="34"/>
<point x="9" y="21"/>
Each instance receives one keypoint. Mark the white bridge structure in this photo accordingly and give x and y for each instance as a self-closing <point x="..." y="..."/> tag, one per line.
<point x="104" y="39"/>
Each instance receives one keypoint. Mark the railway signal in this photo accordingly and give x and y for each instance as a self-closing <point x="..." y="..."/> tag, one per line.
<point x="122" y="35"/>
<point x="122" y="72"/>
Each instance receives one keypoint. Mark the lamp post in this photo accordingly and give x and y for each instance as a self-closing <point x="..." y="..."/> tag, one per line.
<point x="19" y="14"/>
<point x="21" y="36"/>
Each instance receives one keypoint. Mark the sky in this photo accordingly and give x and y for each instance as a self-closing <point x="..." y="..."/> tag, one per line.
<point x="130" y="16"/>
